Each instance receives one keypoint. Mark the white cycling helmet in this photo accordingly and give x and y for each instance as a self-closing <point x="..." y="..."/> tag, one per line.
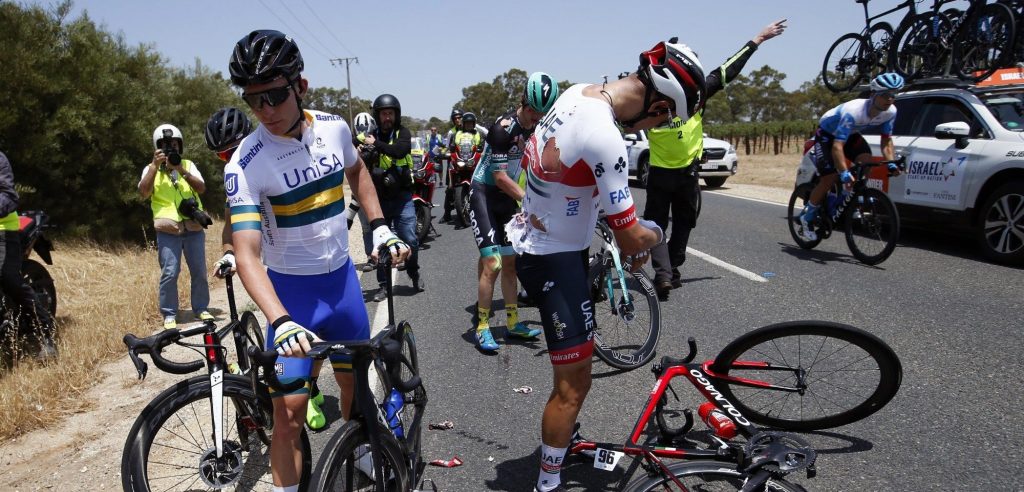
<point x="167" y="130"/>
<point x="363" y="123"/>
<point x="674" y="71"/>
<point x="886" y="82"/>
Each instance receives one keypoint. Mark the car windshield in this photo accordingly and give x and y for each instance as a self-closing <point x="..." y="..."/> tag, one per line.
<point x="1008" y="108"/>
<point x="417" y="143"/>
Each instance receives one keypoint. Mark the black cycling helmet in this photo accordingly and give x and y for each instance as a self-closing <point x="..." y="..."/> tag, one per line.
<point x="468" y="118"/>
<point x="264" y="55"/>
<point x="387" y="101"/>
<point x="455" y="114"/>
<point x="226" y="129"/>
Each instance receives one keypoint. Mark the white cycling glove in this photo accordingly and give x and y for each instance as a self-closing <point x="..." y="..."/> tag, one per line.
<point x="228" y="259"/>
<point x="382" y="236"/>
<point x="650" y="224"/>
<point x="291" y="339"/>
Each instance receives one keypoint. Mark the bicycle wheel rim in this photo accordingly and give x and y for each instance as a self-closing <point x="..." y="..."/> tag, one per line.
<point x="850" y="374"/>
<point x="843" y="63"/>
<point x="415" y="400"/>
<point x="180" y="453"/>
<point x="340" y="467"/>
<point x="872" y="226"/>
<point x="876" y="49"/>
<point x="710" y="476"/>
<point x="625" y="336"/>
<point x="912" y="50"/>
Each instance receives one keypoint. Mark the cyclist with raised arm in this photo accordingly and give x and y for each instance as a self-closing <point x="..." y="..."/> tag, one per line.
<point x="576" y="165"/>
<point x="493" y="200"/>
<point x="838" y="138"/>
<point x="284" y="185"/>
<point x="673" y="183"/>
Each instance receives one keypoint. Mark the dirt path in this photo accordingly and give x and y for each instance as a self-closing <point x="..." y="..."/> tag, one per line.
<point x="84" y="452"/>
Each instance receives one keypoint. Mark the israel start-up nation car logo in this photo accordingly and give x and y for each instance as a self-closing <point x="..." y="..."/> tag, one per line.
<point x="231" y="183"/>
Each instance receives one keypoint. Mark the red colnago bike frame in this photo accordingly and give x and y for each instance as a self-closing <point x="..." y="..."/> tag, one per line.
<point x="701" y="376"/>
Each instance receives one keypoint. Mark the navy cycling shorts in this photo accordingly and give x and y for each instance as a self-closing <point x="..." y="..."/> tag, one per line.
<point x="558" y="284"/>
<point x="822" y="150"/>
<point x="329" y="305"/>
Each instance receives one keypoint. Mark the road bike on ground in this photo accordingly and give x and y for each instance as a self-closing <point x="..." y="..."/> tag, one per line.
<point x="209" y="432"/>
<point x="379" y="439"/>
<point x="627" y="316"/>
<point x="794" y="376"/>
<point x="858" y="57"/>
<point x="866" y="215"/>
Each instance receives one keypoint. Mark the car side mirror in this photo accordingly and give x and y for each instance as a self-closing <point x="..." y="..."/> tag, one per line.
<point x="958" y="130"/>
<point x="630" y="136"/>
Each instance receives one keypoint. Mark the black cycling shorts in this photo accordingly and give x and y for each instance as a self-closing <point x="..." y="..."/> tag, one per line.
<point x="489" y="210"/>
<point x="558" y="284"/>
<point x="822" y="150"/>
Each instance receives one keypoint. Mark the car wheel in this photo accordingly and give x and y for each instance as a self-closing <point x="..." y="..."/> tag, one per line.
<point x="643" y="170"/>
<point x="715" y="182"/>
<point x="1001" y="224"/>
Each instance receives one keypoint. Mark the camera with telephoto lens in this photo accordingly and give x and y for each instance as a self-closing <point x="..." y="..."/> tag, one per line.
<point x="189" y="208"/>
<point x="172" y="155"/>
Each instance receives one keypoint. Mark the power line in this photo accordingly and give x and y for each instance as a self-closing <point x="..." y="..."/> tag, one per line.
<point x="326" y="28"/>
<point x="292" y="30"/>
<point x="347" y="62"/>
<point x="304" y="26"/>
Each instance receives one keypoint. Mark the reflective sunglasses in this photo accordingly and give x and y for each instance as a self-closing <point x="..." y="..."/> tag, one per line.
<point x="886" y="94"/>
<point x="270" y="97"/>
<point x="225" y="155"/>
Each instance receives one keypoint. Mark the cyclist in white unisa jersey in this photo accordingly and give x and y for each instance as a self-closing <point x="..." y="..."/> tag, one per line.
<point x="576" y="163"/>
<point x="284" y="186"/>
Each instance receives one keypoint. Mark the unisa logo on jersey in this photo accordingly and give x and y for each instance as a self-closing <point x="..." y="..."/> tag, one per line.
<point x="231" y="184"/>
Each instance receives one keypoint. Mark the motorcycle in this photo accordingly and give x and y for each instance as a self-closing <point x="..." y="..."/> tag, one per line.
<point x="31" y="227"/>
<point x="424" y="175"/>
<point x="460" y="176"/>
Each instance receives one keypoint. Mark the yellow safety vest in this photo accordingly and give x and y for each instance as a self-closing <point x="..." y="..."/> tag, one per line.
<point x="385" y="161"/>
<point x="677" y="145"/>
<point x="10" y="222"/>
<point x="166" y="196"/>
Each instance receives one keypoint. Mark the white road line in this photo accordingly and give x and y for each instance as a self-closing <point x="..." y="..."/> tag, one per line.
<point x="380" y="317"/>
<point x="745" y="198"/>
<point x="728" y="266"/>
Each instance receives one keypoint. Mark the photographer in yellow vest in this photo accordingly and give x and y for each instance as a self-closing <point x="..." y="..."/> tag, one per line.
<point x="673" y="181"/>
<point x="173" y="185"/>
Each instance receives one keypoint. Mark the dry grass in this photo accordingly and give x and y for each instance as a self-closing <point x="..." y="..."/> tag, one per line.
<point x="102" y="294"/>
<point x="777" y="171"/>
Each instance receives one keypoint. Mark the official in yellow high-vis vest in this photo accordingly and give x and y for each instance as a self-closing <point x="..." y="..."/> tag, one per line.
<point x="672" y="185"/>
<point x="168" y="181"/>
<point x="11" y="280"/>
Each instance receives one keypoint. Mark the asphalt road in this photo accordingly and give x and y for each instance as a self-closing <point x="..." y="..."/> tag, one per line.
<point x="955" y="321"/>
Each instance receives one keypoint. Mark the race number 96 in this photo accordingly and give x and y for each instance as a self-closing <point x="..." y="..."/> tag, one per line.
<point x="606" y="459"/>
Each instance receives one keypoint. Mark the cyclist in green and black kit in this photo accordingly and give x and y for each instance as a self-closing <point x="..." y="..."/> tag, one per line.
<point x="493" y="200"/>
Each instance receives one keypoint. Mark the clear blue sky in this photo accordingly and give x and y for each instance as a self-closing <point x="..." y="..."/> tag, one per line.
<point x="425" y="52"/>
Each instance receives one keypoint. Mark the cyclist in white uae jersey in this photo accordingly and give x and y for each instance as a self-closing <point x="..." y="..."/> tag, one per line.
<point x="284" y="185"/>
<point x="576" y="164"/>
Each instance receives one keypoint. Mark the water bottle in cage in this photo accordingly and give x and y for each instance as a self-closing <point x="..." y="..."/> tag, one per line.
<point x="393" y="413"/>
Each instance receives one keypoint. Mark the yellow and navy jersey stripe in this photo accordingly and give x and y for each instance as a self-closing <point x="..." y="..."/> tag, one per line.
<point x="309" y="203"/>
<point x="245" y="218"/>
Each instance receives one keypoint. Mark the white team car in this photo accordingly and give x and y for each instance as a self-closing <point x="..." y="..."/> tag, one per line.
<point x="965" y="161"/>
<point x="718" y="161"/>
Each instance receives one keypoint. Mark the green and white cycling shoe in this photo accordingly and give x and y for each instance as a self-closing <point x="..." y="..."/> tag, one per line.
<point x="522" y="331"/>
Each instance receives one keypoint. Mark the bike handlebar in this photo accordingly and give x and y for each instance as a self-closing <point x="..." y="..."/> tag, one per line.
<point x="153" y="345"/>
<point x="321" y="350"/>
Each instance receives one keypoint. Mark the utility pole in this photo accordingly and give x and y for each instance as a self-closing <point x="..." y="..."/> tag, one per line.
<point x="348" y="80"/>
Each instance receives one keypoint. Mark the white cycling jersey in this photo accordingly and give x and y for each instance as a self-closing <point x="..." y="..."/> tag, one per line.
<point x="291" y="191"/>
<point x="852" y="116"/>
<point x="576" y="165"/>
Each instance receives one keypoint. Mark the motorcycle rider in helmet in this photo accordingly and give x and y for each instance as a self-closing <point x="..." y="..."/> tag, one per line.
<point x="449" y="139"/>
<point x="466" y="140"/>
